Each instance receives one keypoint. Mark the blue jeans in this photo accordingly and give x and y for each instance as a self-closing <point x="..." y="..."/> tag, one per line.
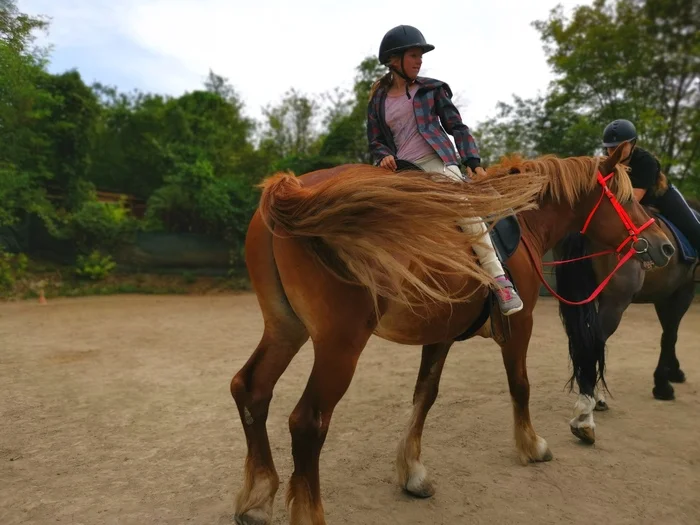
<point x="673" y="205"/>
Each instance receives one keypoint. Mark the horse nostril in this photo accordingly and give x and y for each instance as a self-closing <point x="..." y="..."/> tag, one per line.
<point x="668" y="250"/>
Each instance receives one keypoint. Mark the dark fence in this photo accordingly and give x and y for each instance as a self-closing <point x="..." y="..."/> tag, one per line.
<point x="150" y="251"/>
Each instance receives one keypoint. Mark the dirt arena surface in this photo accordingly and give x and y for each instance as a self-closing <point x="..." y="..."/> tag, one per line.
<point x="116" y="410"/>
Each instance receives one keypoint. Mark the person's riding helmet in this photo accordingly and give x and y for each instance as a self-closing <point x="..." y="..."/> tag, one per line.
<point x="618" y="131"/>
<point x="399" y="39"/>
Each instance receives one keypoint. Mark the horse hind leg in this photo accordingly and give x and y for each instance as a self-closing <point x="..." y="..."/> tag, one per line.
<point x="252" y="389"/>
<point x="336" y="353"/>
<point x="670" y="313"/>
<point x="412" y="475"/>
<point x="685" y="299"/>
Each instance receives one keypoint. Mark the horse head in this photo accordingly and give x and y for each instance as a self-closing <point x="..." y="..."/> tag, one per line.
<point x="618" y="220"/>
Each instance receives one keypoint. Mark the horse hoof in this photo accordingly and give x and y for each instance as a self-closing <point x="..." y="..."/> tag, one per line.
<point x="547" y="456"/>
<point x="664" y="393"/>
<point x="252" y="517"/>
<point x="421" y="490"/>
<point x="601" y="406"/>
<point x="676" y="376"/>
<point x="585" y="434"/>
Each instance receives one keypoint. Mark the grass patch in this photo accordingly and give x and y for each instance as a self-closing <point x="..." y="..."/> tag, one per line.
<point x="61" y="281"/>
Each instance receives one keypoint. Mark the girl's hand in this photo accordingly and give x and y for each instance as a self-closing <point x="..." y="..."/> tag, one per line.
<point x="479" y="171"/>
<point x="388" y="162"/>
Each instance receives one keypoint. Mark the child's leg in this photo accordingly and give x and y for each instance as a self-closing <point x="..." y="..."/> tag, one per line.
<point x="485" y="250"/>
<point x="508" y="299"/>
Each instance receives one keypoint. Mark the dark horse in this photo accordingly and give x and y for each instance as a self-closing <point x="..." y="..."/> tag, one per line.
<point x="670" y="289"/>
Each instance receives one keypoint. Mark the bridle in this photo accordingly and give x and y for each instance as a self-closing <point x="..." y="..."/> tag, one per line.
<point x="632" y="235"/>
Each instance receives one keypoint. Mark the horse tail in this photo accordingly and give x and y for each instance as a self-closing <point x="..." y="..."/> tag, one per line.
<point x="394" y="233"/>
<point x="577" y="281"/>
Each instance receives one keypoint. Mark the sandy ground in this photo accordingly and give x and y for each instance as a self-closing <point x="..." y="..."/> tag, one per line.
<point x="116" y="410"/>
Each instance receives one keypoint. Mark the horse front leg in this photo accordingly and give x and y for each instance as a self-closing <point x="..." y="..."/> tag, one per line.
<point x="530" y="446"/>
<point x="412" y="475"/>
<point x="601" y="404"/>
<point x="587" y="349"/>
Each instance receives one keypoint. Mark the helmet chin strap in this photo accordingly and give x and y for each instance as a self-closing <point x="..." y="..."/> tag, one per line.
<point x="408" y="80"/>
<point x="633" y="142"/>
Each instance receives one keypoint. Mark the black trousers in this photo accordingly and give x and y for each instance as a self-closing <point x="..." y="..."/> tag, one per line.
<point x="673" y="205"/>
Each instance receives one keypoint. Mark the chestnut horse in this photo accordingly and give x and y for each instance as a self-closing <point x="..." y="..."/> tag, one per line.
<point x="341" y="254"/>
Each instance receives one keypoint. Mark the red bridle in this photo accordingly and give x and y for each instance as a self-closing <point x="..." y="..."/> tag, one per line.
<point x="632" y="235"/>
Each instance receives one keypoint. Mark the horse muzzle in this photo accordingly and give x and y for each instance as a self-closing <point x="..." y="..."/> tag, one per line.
<point x="653" y="254"/>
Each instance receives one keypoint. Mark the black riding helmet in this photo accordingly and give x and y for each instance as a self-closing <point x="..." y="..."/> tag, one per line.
<point x="399" y="39"/>
<point x="396" y="41"/>
<point x="618" y="131"/>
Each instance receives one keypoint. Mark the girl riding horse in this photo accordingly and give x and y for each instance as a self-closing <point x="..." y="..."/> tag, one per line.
<point x="650" y="187"/>
<point x="405" y="119"/>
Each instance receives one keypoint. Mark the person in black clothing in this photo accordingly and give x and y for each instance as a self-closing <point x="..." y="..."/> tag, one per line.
<point x="645" y="172"/>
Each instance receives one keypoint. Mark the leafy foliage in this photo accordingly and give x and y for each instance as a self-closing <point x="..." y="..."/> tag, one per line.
<point x="195" y="200"/>
<point x="194" y="160"/>
<point x="13" y="267"/>
<point x="95" y="266"/>
<point x="101" y="225"/>
<point x="631" y="59"/>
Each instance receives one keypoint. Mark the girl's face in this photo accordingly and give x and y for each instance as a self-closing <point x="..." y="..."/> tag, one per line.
<point x="412" y="62"/>
<point x="628" y="152"/>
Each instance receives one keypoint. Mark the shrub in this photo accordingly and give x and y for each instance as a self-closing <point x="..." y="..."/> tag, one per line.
<point x="13" y="267"/>
<point x="96" y="266"/>
<point x="102" y="226"/>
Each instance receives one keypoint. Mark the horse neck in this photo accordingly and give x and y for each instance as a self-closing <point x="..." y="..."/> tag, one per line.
<point x="549" y="224"/>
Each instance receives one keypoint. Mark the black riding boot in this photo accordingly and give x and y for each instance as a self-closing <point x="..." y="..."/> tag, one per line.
<point x="673" y="206"/>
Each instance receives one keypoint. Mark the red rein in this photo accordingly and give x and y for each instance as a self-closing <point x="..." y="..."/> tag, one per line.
<point x="633" y="233"/>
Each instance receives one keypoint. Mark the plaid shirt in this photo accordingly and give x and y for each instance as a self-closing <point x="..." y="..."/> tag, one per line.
<point x="433" y="108"/>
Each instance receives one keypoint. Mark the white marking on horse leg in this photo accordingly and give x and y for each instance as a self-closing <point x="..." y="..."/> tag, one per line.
<point x="412" y="474"/>
<point x="530" y="446"/>
<point x="600" y="403"/>
<point x="248" y="416"/>
<point x="583" y="412"/>
<point x="417" y="477"/>
<point x="542" y="450"/>
<point x="254" y="501"/>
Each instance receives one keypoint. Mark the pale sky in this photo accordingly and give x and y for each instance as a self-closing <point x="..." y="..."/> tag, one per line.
<point x="485" y="50"/>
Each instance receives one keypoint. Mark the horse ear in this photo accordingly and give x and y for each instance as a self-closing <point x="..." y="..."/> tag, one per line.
<point x="622" y="151"/>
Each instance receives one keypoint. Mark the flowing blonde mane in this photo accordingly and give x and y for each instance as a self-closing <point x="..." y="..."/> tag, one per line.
<point x="396" y="233"/>
<point x="566" y="179"/>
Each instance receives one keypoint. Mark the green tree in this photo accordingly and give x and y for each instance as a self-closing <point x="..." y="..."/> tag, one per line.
<point x="69" y="125"/>
<point x="346" y="122"/>
<point x="130" y="154"/>
<point x="24" y="105"/>
<point x="291" y="126"/>
<point x="194" y="199"/>
<point x="633" y="59"/>
<point x="143" y="136"/>
<point x="514" y="129"/>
